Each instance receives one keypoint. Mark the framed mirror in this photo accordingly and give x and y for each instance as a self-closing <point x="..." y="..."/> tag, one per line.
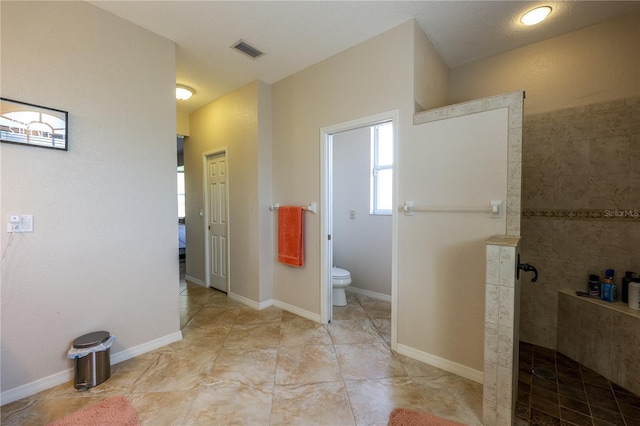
<point x="27" y="124"/>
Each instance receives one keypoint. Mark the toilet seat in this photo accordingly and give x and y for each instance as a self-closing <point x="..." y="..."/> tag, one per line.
<point x="339" y="273"/>
<point x="340" y="276"/>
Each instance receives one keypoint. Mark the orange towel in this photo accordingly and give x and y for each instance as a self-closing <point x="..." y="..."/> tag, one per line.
<point x="291" y="235"/>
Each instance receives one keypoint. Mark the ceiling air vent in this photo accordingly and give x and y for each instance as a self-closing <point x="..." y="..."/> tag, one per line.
<point x="243" y="47"/>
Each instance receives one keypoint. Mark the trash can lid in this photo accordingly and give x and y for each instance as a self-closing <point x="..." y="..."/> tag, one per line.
<point x="91" y="339"/>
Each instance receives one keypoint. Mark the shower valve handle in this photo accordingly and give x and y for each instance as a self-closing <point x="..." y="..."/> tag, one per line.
<point x="526" y="268"/>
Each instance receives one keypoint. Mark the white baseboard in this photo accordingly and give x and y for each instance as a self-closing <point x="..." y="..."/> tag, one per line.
<point x="295" y="310"/>
<point x="369" y="293"/>
<point x="67" y="375"/>
<point x="252" y="303"/>
<point x="195" y="280"/>
<point x="145" y="347"/>
<point x="278" y="304"/>
<point x="36" y="386"/>
<point x="443" y="364"/>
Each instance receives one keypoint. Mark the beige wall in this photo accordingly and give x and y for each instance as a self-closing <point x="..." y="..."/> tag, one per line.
<point x="182" y="123"/>
<point x="265" y="217"/>
<point x="462" y="162"/>
<point x="234" y="122"/>
<point x="373" y="77"/>
<point x="103" y="254"/>
<point x="597" y="63"/>
<point x="362" y="245"/>
<point x="430" y="74"/>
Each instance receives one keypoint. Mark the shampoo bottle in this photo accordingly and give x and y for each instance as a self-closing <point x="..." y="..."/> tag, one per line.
<point x="608" y="290"/>
<point x="634" y="295"/>
<point x="628" y="277"/>
<point x="594" y="285"/>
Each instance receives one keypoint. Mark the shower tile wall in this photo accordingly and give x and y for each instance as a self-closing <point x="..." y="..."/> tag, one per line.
<point x="580" y="166"/>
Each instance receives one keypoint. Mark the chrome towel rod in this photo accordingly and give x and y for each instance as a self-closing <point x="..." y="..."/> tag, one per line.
<point x="494" y="209"/>
<point x="313" y="207"/>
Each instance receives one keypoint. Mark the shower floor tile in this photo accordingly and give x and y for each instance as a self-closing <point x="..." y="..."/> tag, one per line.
<point x="575" y="395"/>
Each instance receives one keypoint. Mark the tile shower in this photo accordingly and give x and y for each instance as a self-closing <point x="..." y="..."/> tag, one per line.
<point x="580" y="166"/>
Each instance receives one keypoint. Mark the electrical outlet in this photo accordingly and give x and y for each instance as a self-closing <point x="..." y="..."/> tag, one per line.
<point x="352" y="214"/>
<point x="13" y="223"/>
<point x="20" y="223"/>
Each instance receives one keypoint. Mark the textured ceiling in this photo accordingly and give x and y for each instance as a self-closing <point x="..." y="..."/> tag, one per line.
<point x="297" y="34"/>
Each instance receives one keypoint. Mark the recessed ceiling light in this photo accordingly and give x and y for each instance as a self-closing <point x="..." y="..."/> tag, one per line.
<point x="183" y="92"/>
<point x="535" y="16"/>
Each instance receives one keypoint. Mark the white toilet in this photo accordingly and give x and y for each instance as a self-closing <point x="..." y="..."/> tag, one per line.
<point x="340" y="278"/>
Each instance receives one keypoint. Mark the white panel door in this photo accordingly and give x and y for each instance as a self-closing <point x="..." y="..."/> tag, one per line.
<point x="217" y="221"/>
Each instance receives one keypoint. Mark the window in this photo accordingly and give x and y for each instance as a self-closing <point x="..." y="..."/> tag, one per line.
<point x="181" y="192"/>
<point x="381" y="168"/>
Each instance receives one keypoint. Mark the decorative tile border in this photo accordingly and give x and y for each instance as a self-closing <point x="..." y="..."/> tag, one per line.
<point x="626" y="215"/>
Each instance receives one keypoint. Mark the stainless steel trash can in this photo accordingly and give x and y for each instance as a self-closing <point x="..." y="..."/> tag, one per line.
<point x="95" y="367"/>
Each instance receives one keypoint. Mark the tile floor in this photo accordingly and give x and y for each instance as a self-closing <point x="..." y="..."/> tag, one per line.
<point x="577" y="396"/>
<point x="237" y="365"/>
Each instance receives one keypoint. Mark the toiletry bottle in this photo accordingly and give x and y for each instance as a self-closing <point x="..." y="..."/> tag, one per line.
<point x="608" y="289"/>
<point x="634" y="295"/>
<point x="628" y="277"/>
<point x="594" y="285"/>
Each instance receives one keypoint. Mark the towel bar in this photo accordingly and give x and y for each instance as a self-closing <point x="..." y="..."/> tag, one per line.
<point x="313" y="207"/>
<point x="494" y="209"/>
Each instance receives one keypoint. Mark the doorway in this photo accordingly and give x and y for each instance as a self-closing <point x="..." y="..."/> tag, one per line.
<point x="182" y="226"/>
<point x="329" y="137"/>
<point x="217" y="220"/>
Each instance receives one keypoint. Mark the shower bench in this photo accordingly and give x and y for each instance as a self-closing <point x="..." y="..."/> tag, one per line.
<point x="602" y="336"/>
